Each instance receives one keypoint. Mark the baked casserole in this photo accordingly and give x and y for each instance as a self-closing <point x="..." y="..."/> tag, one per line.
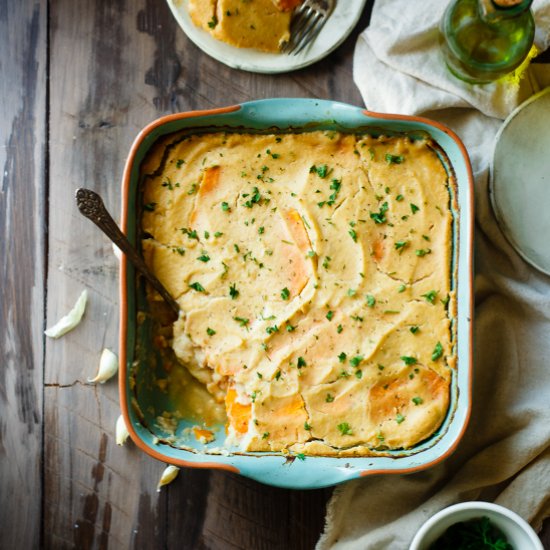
<point x="313" y="271"/>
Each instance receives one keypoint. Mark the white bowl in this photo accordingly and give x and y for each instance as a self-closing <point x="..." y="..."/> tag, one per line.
<point x="518" y="532"/>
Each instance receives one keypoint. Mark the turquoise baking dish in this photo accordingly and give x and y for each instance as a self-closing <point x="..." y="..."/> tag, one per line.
<point x="142" y="402"/>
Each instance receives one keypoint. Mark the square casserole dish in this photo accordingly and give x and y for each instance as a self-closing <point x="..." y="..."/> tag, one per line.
<point x="141" y="400"/>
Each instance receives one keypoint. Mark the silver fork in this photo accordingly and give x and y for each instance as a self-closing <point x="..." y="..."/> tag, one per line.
<point x="306" y="24"/>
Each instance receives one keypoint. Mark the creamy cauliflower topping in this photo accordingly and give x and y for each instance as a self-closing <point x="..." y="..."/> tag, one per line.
<point x="314" y="273"/>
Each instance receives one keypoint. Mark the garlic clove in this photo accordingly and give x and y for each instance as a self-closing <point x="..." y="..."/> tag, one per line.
<point x="71" y="320"/>
<point x="108" y="367"/>
<point x="121" y="431"/>
<point x="170" y="473"/>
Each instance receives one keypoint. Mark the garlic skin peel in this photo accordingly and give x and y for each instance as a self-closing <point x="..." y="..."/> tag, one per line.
<point x="121" y="431"/>
<point x="71" y="320"/>
<point x="170" y="473"/>
<point x="108" y="367"/>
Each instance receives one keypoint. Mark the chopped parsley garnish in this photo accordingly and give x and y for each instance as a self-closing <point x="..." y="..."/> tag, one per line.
<point x="329" y="398"/>
<point x="191" y="233"/>
<point x="353" y="235"/>
<point x="345" y="428"/>
<point x="192" y="189"/>
<point x="225" y="207"/>
<point x="273" y="155"/>
<point x="206" y="235"/>
<point x="437" y="352"/>
<point x="255" y="198"/>
<point x="399" y="418"/>
<point x="356" y="361"/>
<point x="414" y="329"/>
<point x="197" y="286"/>
<point x="400" y="245"/>
<point x="300" y="456"/>
<point x="278" y="375"/>
<point x="290" y="328"/>
<point x="475" y="533"/>
<point x="218" y="234"/>
<point x="261" y="230"/>
<point x="399" y="198"/>
<point x="402" y="288"/>
<point x="311" y="254"/>
<point x="371" y="300"/>
<point x="335" y="186"/>
<point x="321" y="171"/>
<point x="394" y="159"/>
<point x="417" y="400"/>
<point x="307" y="427"/>
<point x="168" y="183"/>
<point x="339" y="329"/>
<point x="272" y="329"/>
<point x="380" y="217"/>
<point x="352" y="292"/>
<point x="342" y="357"/>
<point x="445" y="300"/>
<point x="430" y="296"/>
<point x="330" y="315"/>
<point x="265" y="435"/>
<point x="359" y="374"/>
<point x="326" y="262"/>
<point x="414" y="208"/>
<point x="233" y="292"/>
<point x="179" y="162"/>
<point x="150" y="206"/>
<point x="408" y="360"/>
<point x="423" y="251"/>
<point x="301" y="362"/>
<point x="213" y="22"/>
<point x="285" y="293"/>
<point x="242" y="321"/>
<point x="210" y="331"/>
<point x="204" y="258"/>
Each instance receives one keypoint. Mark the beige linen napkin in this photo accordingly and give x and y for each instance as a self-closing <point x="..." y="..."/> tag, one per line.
<point x="504" y="455"/>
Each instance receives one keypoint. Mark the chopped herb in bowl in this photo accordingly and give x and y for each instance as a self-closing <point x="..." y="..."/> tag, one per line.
<point x="474" y="534"/>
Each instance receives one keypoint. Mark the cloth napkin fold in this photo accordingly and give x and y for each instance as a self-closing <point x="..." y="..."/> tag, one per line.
<point x="504" y="456"/>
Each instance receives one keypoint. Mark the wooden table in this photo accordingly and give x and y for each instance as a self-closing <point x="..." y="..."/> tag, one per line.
<point x="78" y="80"/>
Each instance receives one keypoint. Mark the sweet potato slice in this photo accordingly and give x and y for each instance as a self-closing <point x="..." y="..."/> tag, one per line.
<point x="237" y="413"/>
<point x="208" y="184"/>
<point x="297" y="229"/>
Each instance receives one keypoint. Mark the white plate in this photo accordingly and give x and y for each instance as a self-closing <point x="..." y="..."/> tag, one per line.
<point x="337" y="28"/>
<point x="520" y="180"/>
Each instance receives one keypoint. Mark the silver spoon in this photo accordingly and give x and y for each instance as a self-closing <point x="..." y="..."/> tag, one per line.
<point x="91" y="205"/>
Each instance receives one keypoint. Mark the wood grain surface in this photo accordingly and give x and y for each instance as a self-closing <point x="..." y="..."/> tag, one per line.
<point x="23" y="248"/>
<point x="78" y="82"/>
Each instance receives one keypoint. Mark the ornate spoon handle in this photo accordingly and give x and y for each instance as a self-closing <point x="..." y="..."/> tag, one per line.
<point x="91" y="205"/>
